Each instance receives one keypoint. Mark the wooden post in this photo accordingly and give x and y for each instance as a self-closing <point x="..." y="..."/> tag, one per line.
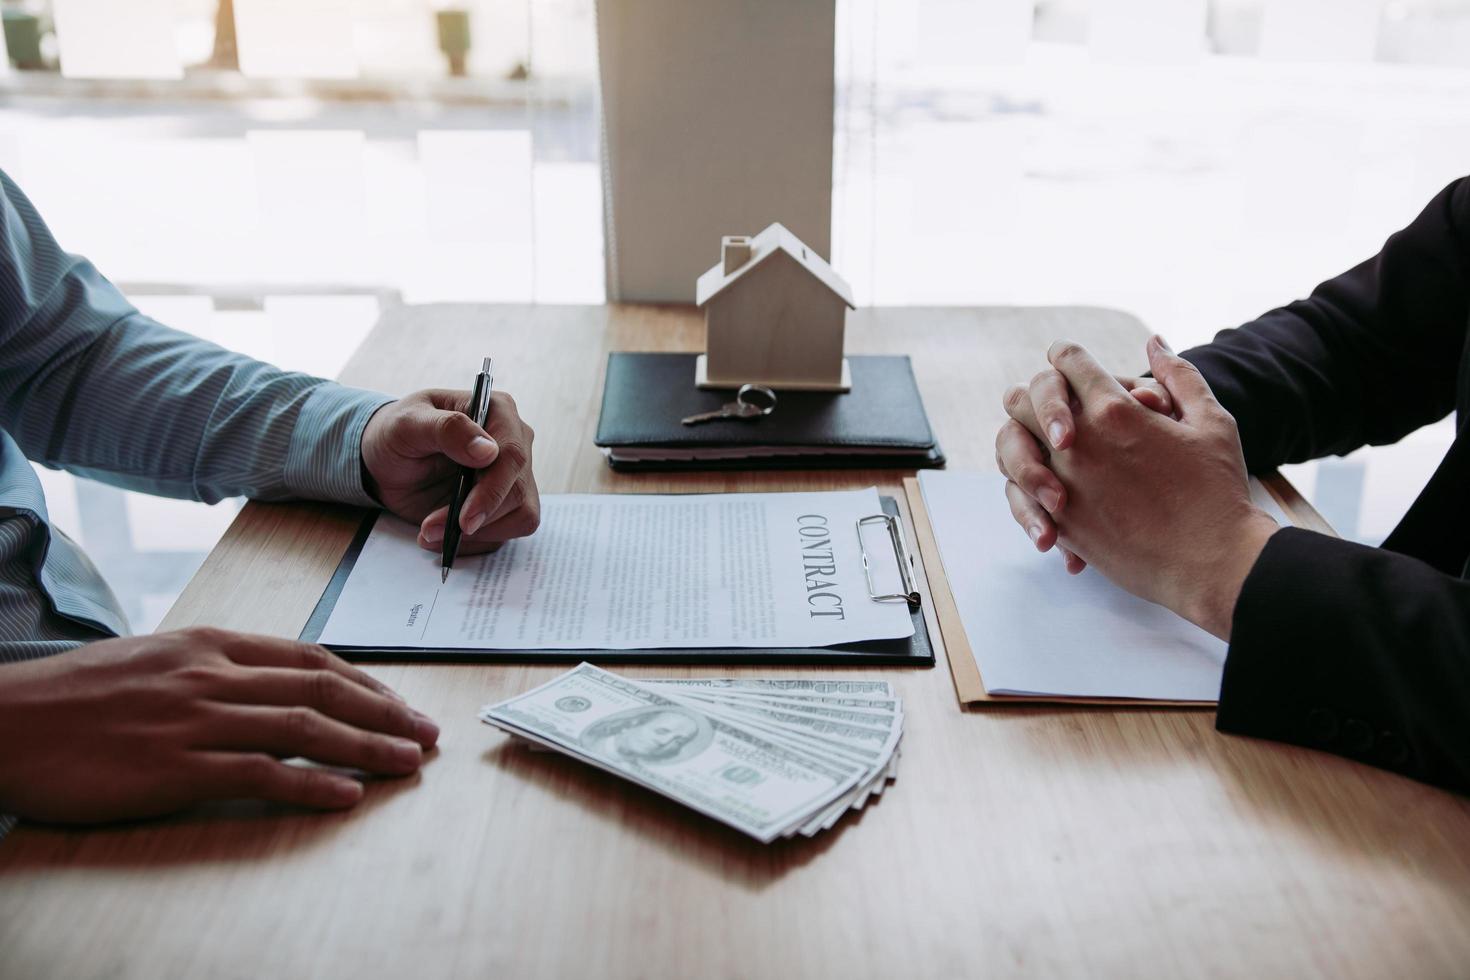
<point x="689" y="155"/>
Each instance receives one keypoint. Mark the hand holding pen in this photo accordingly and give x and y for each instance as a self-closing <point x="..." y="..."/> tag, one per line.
<point x="416" y="449"/>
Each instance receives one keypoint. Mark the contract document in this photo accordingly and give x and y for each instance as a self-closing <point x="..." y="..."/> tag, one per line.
<point x="634" y="572"/>
<point x="1038" y="632"/>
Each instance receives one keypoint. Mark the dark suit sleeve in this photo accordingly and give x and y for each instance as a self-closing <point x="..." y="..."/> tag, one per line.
<point x="1369" y="357"/>
<point x="1355" y="650"/>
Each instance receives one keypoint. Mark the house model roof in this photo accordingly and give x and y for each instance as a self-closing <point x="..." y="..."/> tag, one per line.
<point x="774" y="239"/>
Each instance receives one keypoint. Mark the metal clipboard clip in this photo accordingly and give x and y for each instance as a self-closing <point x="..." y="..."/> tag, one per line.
<point x="910" y="593"/>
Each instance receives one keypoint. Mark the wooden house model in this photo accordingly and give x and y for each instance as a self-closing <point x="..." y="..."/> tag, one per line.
<point x="774" y="314"/>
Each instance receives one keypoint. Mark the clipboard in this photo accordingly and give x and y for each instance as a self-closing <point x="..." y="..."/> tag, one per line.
<point x="968" y="684"/>
<point x="913" y="651"/>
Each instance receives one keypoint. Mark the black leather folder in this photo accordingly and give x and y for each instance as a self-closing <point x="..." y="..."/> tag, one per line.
<point x="879" y="423"/>
<point x="912" y="651"/>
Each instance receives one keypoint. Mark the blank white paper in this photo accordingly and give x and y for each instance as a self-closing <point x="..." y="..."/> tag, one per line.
<point x="1035" y="630"/>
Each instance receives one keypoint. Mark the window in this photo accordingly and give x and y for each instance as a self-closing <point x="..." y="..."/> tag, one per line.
<point x="1193" y="163"/>
<point x="271" y="173"/>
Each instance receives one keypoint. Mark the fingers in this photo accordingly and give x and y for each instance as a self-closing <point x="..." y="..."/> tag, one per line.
<point x="453" y="434"/>
<point x="1033" y="520"/>
<point x="1039" y="527"/>
<point x="232" y="776"/>
<point x="495" y="494"/>
<point x="505" y="488"/>
<point x="438" y="425"/>
<point x="1075" y="565"/>
<point x="1051" y="401"/>
<point x="519" y="516"/>
<point x="449" y="399"/>
<point x="1020" y="458"/>
<point x="299" y="732"/>
<point x="1086" y="376"/>
<point x="431" y="536"/>
<point x="1149" y="393"/>
<point x="518" y="523"/>
<point x="431" y="529"/>
<point x="1188" y="388"/>
<point x="332" y="695"/>
<point x="1017" y="403"/>
<point x="269" y="651"/>
<point x="1052" y="404"/>
<point x="491" y="538"/>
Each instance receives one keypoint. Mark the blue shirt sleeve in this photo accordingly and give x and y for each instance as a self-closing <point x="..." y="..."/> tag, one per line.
<point x="90" y="385"/>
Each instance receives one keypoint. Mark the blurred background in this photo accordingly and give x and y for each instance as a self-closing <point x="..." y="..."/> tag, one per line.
<point x="271" y="173"/>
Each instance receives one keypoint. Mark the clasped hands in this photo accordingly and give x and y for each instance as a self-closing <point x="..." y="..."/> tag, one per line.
<point x="1143" y="479"/>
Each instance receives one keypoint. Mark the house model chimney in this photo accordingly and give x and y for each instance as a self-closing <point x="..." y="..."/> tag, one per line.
<point x="736" y="251"/>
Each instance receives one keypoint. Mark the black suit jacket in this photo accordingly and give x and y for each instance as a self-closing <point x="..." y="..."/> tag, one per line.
<point x="1340" y="646"/>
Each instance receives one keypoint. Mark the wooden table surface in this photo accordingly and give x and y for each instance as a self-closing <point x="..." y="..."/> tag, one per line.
<point x="1036" y="840"/>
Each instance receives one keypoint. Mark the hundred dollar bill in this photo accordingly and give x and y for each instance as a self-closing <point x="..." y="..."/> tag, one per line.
<point x="874" y="704"/>
<point x="855" y="702"/>
<point x="864" y="757"/>
<point x="865" y="703"/>
<point x="854" y="799"/>
<point x="842" y="709"/>
<point x="830" y="739"/>
<point x="799" y="685"/>
<point x="869" y="744"/>
<point x="873" y="742"/>
<point x="708" y="761"/>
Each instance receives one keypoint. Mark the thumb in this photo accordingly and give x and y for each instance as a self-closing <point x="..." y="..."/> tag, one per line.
<point x="1181" y="379"/>
<point x="454" y="434"/>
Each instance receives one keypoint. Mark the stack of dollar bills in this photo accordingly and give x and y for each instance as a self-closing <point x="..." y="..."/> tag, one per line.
<point x="771" y="758"/>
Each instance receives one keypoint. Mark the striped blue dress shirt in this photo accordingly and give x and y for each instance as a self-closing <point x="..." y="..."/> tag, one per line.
<point x="90" y="385"/>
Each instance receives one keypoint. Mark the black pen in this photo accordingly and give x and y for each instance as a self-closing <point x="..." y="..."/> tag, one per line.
<point x="479" y="410"/>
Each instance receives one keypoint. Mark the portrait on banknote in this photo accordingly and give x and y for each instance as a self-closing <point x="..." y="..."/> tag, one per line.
<point x="649" y="735"/>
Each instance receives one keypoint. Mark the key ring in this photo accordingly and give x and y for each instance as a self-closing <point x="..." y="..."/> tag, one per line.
<point x="751" y="403"/>
<point x="755" y="400"/>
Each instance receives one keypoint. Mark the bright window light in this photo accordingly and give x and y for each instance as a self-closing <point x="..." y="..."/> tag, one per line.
<point x="109" y="39"/>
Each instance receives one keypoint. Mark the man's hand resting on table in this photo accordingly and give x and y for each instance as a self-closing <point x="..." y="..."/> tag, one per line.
<point x="412" y="450"/>
<point x="147" y="725"/>
<point x="1153" y="495"/>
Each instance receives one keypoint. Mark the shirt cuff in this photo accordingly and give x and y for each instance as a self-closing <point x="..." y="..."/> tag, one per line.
<point x="325" y="458"/>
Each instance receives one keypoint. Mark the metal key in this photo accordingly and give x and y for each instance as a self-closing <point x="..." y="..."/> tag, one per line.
<point x="751" y="401"/>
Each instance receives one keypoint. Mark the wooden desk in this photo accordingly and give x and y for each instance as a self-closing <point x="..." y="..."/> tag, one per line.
<point x="1017" y="840"/>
